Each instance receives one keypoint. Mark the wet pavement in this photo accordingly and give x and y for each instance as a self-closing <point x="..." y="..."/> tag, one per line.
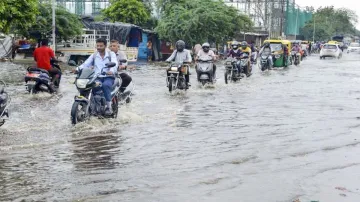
<point x="276" y="136"/>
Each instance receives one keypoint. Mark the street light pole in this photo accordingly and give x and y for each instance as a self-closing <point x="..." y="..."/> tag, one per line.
<point x="53" y="25"/>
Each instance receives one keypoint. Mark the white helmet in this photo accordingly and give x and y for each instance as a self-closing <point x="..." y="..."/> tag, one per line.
<point x="206" y="47"/>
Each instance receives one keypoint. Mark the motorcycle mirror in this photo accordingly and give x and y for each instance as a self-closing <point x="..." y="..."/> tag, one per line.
<point x="123" y="61"/>
<point x="110" y="64"/>
<point x="72" y="63"/>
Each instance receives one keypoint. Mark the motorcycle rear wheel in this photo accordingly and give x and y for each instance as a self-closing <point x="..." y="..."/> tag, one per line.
<point x="115" y="107"/>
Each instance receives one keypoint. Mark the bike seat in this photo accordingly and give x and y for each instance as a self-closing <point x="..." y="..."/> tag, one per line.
<point x="35" y="69"/>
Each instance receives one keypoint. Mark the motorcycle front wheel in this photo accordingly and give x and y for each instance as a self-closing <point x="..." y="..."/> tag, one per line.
<point x="2" y="122"/>
<point x="171" y="84"/>
<point x="226" y="75"/>
<point x="78" y="112"/>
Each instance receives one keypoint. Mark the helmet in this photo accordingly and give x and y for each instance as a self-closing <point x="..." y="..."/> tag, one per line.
<point x="206" y="47"/>
<point x="266" y="44"/>
<point x="235" y="45"/>
<point x="180" y="45"/>
<point x="244" y="45"/>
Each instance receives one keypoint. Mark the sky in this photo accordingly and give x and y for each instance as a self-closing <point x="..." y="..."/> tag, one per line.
<point x="350" y="4"/>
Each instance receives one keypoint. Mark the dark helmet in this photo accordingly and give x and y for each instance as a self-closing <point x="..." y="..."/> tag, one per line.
<point x="180" y="45"/>
<point x="266" y="44"/>
<point x="235" y="45"/>
<point x="206" y="47"/>
<point x="244" y="45"/>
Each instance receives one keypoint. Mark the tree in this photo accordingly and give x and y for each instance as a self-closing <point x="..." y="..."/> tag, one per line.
<point x="67" y="24"/>
<point x="19" y="13"/>
<point x="329" y="22"/>
<point x="128" y="11"/>
<point x="197" y="21"/>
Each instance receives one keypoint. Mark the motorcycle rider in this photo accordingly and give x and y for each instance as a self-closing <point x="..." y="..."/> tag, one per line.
<point x="181" y="55"/>
<point x="253" y="52"/>
<point x="266" y="49"/>
<point x="99" y="60"/>
<point x="235" y="53"/>
<point x="247" y="50"/>
<point x="43" y="56"/>
<point x="296" y="48"/>
<point x="120" y="55"/>
<point x="205" y="51"/>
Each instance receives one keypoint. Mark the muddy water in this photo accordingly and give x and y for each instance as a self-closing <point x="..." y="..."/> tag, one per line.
<point x="276" y="136"/>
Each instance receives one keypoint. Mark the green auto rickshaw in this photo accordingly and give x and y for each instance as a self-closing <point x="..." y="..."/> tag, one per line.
<point x="280" y="60"/>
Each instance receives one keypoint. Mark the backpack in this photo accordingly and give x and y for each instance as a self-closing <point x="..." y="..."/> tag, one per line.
<point x="93" y="61"/>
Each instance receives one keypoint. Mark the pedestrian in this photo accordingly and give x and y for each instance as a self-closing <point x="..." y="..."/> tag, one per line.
<point x="149" y="50"/>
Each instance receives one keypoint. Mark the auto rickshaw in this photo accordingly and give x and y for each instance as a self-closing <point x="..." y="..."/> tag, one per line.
<point x="333" y="42"/>
<point x="278" y="52"/>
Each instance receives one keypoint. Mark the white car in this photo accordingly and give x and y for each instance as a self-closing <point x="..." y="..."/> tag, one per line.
<point x="330" y="50"/>
<point x="353" y="47"/>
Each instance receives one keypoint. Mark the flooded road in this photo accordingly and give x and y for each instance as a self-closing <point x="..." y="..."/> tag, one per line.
<point x="276" y="136"/>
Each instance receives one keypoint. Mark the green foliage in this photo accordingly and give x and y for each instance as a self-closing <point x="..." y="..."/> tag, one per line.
<point x="128" y="11"/>
<point x="197" y="21"/>
<point x="330" y="22"/>
<point x="20" y="13"/>
<point x="67" y="24"/>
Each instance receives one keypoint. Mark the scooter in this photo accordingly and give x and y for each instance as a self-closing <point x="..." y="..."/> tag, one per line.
<point x="4" y="104"/>
<point x="205" y="71"/>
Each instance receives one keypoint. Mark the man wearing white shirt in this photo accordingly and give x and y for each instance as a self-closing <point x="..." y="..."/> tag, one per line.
<point x="98" y="61"/>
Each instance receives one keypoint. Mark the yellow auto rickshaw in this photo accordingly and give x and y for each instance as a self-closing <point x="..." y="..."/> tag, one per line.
<point x="333" y="42"/>
<point x="280" y="60"/>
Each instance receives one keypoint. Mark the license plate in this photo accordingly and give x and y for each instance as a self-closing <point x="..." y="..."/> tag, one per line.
<point x="31" y="82"/>
<point x="32" y="75"/>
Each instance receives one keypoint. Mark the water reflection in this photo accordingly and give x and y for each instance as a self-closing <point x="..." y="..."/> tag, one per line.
<point x="96" y="152"/>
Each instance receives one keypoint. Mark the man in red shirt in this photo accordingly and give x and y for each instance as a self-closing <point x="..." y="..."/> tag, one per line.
<point x="42" y="56"/>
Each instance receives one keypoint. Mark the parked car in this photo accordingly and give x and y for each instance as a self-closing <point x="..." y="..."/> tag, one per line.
<point x="353" y="47"/>
<point x="330" y="50"/>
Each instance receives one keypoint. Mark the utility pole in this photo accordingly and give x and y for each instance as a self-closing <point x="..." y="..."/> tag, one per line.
<point x="282" y="17"/>
<point x="266" y="22"/>
<point x="53" y="26"/>
<point x="314" y="30"/>
<point x="296" y="24"/>
<point x="271" y="17"/>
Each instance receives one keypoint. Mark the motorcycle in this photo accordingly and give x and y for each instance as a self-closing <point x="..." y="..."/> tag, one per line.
<point x="39" y="80"/>
<point x="244" y="60"/>
<point x="295" y="56"/>
<point x="90" y="102"/>
<point x="264" y="62"/>
<point x="231" y="71"/>
<point x="4" y="104"/>
<point x="176" y="76"/>
<point x="204" y="70"/>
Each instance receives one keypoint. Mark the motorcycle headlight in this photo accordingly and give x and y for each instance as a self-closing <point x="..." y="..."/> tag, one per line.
<point x="81" y="83"/>
<point x="277" y="56"/>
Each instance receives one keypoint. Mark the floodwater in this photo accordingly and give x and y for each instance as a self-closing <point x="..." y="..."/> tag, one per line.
<point x="276" y="136"/>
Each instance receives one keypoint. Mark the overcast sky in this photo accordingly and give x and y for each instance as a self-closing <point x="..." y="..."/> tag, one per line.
<point x="351" y="4"/>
